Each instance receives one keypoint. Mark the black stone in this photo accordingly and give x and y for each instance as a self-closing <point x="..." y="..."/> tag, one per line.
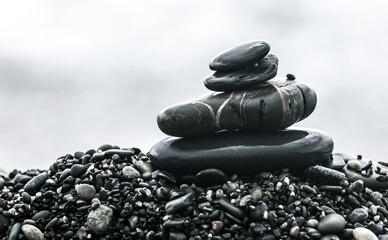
<point x="230" y="208"/>
<point x="243" y="152"/>
<point x="263" y="71"/>
<point x="332" y="224"/>
<point x="210" y="177"/>
<point x="334" y="162"/>
<point x="4" y="223"/>
<point x="36" y="182"/>
<point x="180" y="203"/>
<point x="275" y="105"/>
<point x="14" y="232"/>
<point x="77" y="170"/>
<point x="240" y="56"/>
<point x="324" y="175"/>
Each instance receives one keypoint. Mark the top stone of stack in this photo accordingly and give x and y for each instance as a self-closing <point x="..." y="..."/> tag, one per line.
<point x="242" y="66"/>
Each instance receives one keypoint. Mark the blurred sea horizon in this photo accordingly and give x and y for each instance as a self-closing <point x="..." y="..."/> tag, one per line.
<point x="76" y="75"/>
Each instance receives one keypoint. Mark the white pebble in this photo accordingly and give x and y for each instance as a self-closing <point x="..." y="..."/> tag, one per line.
<point x="354" y="164"/>
<point x="361" y="233"/>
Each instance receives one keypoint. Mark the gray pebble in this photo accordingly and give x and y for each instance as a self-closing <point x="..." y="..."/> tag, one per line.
<point x="313" y="223"/>
<point x="85" y="191"/>
<point x="357" y="186"/>
<point x="358" y="215"/>
<point x="32" y="233"/>
<point x="330" y="237"/>
<point x="294" y="231"/>
<point x="99" y="219"/>
<point x="130" y="172"/>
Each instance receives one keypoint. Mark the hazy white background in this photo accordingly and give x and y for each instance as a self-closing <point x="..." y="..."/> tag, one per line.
<point x="77" y="74"/>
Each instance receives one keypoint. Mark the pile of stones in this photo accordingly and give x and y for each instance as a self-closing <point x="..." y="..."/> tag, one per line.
<point x="232" y="171"/>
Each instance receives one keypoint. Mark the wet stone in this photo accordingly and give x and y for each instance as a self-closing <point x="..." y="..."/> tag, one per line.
<point x="334" y="162"/>
<point x="14" y="232"/>
<point x="332" y="224"/>
<point x="244" y="152"/>
<point x="275" y="105"/>
<point x="44" y="214"/>
<point x="230" y="208"/>
<point x="32" y="233"/>
<point x="99" y="219"/>
<point x="4" y="223"/>
<point x="324" y="175"/>
<point x="210" y="177"/>
<point x="263" y="71"/>
<point x="77" y="170"/>
<point x="36" y="182"/>
<point x="180" y="203"/>
<point x="241" y="56"/>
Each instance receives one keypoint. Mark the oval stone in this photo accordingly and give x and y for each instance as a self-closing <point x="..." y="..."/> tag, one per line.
<point x="274" y="105"/>
<point x="332" y="224"/>
<point x="264" y="70"/>
<point x="36" y="182"/>
<point x="210" y="177"/>
<point x="100" y="219"/>
<point x="243" y="152"/>
<point x="361" y="233"/>
<point x="32" y="233"/>
<point x="240" y="56"/>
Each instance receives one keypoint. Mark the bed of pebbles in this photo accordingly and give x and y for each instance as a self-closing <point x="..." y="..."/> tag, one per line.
<point x="113" y="193"/>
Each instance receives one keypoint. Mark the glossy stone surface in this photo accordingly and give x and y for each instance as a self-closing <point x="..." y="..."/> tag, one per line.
<point x="334" y="162"/>
<point x="264" y="70"/>
<point x="240" y="56"/>
<point x="243" y="152"/>
<point x="370" y="176"/>
<point x="275" y="105"/>
<point x="332" y="224"/>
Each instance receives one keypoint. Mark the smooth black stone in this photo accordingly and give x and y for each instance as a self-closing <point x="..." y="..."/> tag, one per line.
<point x="44" y="214"/>
<point x="4" y="223"/>
<point x="274" y="105"/>
<point x="210" y="177"/>
<point x="2" y="182"/>
<point x="180" y="203"/>
<point x="370" y="177"/>
<point x="324" y="175"/>
<point x="77" y="170"/>
<point x="177" y="236"/>
<point x="334" y="162"/>
<point x="36" y="182"/>
<point x="263" y="71"/>
<point x="332" y="224"/>
<point x="230" y="208"/>
<point x="14" y="232"/>
<point x="243" y="152"/>
<point x="240" y="56"/>
<point x="21" y="178"/>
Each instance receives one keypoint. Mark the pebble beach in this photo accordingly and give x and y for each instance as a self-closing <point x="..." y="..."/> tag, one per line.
<point x="113" y="193"/>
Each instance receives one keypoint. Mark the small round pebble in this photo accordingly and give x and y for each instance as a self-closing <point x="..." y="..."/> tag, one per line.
<point x="358" y="215"/>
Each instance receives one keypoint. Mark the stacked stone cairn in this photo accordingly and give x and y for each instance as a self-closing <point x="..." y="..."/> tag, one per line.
<point x="233" y="171"/>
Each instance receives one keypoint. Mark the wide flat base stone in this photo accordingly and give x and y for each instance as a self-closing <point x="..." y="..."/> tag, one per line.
<point x="243" y="152"/>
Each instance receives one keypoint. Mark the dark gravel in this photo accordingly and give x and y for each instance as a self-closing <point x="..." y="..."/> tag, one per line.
<point x="115" y="193"/>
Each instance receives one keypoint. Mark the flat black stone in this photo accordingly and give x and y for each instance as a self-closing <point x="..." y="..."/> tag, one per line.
<point x="371" y="178"/>
<point x="274" y="105"/>
<point x="210" y="177"/>
<point x="334" y="162"/>
<point x="240" y="56"/>
<point x="243" y="152"/>
<point x="263" y="71"/>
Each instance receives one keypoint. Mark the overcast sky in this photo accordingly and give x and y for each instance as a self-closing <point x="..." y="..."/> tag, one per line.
<point x="78" y="74"/>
